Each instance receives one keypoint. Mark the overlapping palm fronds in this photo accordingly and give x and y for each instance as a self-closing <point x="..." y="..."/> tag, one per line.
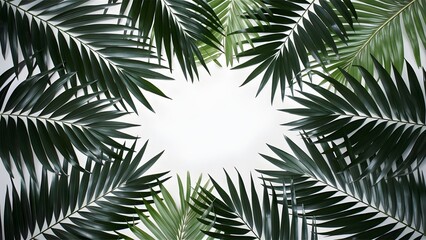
<point x="168" y="219"/>
<point x="76" y="205"/>
<point x="291" y="31"/>
<point x="235" y="215"/>
<point x="382" y="124"/>
<point x="83" y="39"/>
<point x="385" y="29"/>
<point x="231" y="14"/>
<point x="42" y="122"/>
<point x="175" y="27"/>
<point x="343" y="206"/>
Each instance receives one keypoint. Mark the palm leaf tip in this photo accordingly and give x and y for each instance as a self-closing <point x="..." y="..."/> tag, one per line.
<point x="379" y="124"/>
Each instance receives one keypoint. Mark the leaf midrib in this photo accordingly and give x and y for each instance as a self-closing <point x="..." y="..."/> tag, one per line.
<point x="415" y="124"/>
<point x="45" y="119"/>
<point x="66" y="33"/>
<point x="373" y="35"/>
<point x="363" y="202"/>
<point x="78" y="210"/>
<point x="293" y="29"/>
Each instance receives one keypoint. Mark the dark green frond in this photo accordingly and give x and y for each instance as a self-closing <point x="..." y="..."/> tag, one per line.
<point x="85" y="41"/>
<point x="168" y="219"/>
<point x="290" y="32"/>
<point x="236" y="215"/>
<point x="42" y="121"/>
<point x="176" y="26"/>
<point x="383" y="28"/>
<point x="89" y="205"/>
<point x="389" y="209"/>
<point x="382" y="123"/>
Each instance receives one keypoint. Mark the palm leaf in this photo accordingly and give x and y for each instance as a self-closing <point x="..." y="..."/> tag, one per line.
<point x="383" y="38"/>
<point x="166" y="219"/>
<point x="289" y="31"/>
<point x="40" y="120"/>
<point x="231" y="14"/>
<point x="85" y="41"/>
<point x="384" y="124"/>
<point x="235" y="215"/>
<point x="176" y="27"/>
<point x="91" y="205"/>
<point x="345" y="208"/>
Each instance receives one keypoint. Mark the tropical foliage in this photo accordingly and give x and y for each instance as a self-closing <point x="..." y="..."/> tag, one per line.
<point x="230" y="13"/>
<point x="235" y="215"/>
<point x="97" y="202"/>
<point x="166" y="219"/>
<point x="379" y="32"/>
<point x="284" y="41"/>
<point x="383" y="125"/>
<point x="51" y="120"/>
<point x="176" y="26"/>
<point x="343" y="206"/>
<point x="85" y="41"/>
<point x="78" y="66"/>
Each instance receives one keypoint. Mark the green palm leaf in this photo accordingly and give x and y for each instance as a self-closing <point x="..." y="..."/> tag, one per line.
<point x="176" y="27"/>
<point x="166" y="219"/>
<point x="231" y="14"/>
<point x="235" y="215"/>
<point x="389" y="209"/>
<point x="289" y="32"/>
<point x="40" y="120"/>
<point x="383" y="37"/>
<point x="91" y="205"/>
<point x="383" y="124"/>
<point x="85" y="41"/>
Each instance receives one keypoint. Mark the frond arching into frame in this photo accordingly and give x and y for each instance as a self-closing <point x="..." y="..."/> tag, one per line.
<point x="46" y="119"/>
<point x="343" y="206"/>
<point x="235" y="215"/>
<point x="290" y="32"/>
<point x="231" y="14"/>
<point x="382" y="123"/>
<point x="85" y="40"/>
<point x="396" y="24"/>
<point x="175" y="27"/>
<point x="89" y="205"/>
<point x="168" y="219"/>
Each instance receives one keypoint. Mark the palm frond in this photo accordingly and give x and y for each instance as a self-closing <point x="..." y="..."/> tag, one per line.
<point x="235" y="215"/>
<point x="289" y="32"/>
<point x="383" y="124"/>
<point x="167" y="219"/>
<point x="42" y="121"/>
<point x="91" y="205"/>
<point x="176" y="27"/>
<point x="231" y="14"/>
<point x="86" y="41"/>
<point x="383" y="38"/>
<point x="345" y="208"/>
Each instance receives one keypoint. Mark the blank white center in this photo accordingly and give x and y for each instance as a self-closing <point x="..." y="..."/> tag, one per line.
<point x="212" y="124"/>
